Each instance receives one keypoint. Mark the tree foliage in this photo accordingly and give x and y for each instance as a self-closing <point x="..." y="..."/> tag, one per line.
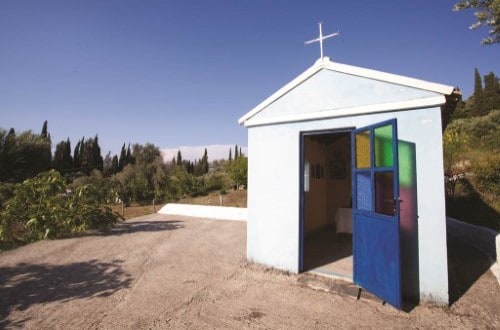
<point x="87" y="155"/>
<point x="42" y="208"/>
<point x="125" y="157"/>
<point x="44" y="132"/>
<point x="37" y="202"/>
<point x="483" y="100"/>
<point x="238" y="171"/>
<point x="23" y="155"/>
<point x="63" y="161"/>
<point x="144" y="178"/>
<point x="487" y="15"/>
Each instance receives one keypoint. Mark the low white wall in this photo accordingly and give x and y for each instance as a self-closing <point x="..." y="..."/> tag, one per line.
<point x="205" y="211"/>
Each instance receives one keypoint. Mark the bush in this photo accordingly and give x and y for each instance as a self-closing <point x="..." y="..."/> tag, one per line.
<point x="102" y="185"/>
<point x="483" y="132"/>
<point x="42" y="208"/>
<point x="238" y="171"/>
<point x="214" y="182"/>
<point x="6" y="192"/>
<point x="182" y="184"/>
<point x="487" y="175"/>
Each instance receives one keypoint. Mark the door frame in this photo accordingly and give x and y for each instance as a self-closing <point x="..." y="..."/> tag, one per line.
<point x="302" y="136"/>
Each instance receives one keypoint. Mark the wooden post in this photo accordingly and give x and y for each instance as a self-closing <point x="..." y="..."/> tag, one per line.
<point x="220" y="200"/>
<point x="123" y="209"/>
<point x="154" y="208"/>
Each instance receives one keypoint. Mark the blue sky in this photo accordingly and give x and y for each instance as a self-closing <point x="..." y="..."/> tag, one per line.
<point x="181" y="73"/>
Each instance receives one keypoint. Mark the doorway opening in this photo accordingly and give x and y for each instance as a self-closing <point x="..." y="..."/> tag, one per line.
<point x="326" y="202"/>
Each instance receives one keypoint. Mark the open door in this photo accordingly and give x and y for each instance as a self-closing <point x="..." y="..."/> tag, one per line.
<point x="375" y="184"/>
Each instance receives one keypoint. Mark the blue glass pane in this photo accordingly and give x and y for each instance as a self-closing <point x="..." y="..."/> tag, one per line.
<point x="364" y="191"/>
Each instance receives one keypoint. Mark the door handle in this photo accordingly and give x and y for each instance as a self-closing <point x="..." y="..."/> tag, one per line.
<point x="394" y="201"/>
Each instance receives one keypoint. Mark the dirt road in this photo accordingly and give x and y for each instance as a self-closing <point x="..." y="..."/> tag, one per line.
<point x="165" y="271"/>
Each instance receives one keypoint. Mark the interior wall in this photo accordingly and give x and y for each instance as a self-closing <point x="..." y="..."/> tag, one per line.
<point x="339" y="172"/>
<point x="332" y="189"/>
<point x="315" y="199"/>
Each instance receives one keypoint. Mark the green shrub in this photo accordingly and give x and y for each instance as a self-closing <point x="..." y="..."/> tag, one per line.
<point x="487" y="175"/>
<point x="6" y="192"/>
<point x="483" y="132"/>
<point x="238" y="171"/>
<point x="42" y="207"/>
<point x="102" y="192"/>
<point x="214" y="182"/>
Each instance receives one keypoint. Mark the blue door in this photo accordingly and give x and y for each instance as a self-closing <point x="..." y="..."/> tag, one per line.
<point x="375" y="183"/>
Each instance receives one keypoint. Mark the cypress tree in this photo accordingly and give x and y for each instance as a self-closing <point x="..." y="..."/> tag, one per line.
<point x="44" y="130"/>
<point x="67" y="159"/>
<point x="123" y="158"/>
<point x="478" y="85"/>
<point x="179" y="158"/>
<point x="491" y="93"/>
<point x="44" y="160"/>
<point x="58" y="155"/>
<point x="97" y="161"/>
<point x="204" y="162"/>
<point x="230" y="156"/>
<point x="236" y="152"/>
<point x="86" y="156"/>
<point x="130" y="159"/>
<point x="77" y="162"/>
<point x="62" y="161"/>
<point x="114" y="165"/>
<point x="478" y="94"/>
<point x="81" y="154"/>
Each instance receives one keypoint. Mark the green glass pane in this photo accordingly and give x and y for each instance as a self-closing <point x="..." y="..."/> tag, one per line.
<point x="383" y="146"/>
<point x="362" y="140"/>
<point x="406" y="156"/>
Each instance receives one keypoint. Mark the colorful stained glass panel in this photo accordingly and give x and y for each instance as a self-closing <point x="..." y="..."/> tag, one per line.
<point x="384" y="156"/>
<point x="364" y="191"/>
<point x="384" y="193"/>
<point x="362" y="140"/>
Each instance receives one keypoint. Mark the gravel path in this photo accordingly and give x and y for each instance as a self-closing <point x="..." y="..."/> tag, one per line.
<point x="163" y="271"/>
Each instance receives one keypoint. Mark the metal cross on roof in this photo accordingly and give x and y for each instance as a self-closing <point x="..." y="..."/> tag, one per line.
<point x="321" y="38"/>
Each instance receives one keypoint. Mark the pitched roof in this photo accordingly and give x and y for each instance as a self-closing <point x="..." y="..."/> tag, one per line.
<point x="325" y="63"/>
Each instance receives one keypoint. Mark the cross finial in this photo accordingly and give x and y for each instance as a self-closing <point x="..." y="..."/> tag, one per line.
<point x="321" y="38"/>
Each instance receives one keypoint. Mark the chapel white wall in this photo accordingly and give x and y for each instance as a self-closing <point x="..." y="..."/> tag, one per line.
<point x="273" y="192"/>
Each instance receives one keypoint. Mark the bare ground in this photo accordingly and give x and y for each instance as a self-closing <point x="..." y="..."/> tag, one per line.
<point x="163" y="271"/>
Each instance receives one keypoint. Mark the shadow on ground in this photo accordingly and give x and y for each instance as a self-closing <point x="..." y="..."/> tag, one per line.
<point x="24" y="285"/>
<point x="130" y="227"/>
<point x="326" y="246"/>
<point x="470" y="207"/>
<point x="466" y="264"/>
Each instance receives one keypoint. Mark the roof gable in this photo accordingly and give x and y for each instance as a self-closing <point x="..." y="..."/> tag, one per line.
<point x="329" y="89"/>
